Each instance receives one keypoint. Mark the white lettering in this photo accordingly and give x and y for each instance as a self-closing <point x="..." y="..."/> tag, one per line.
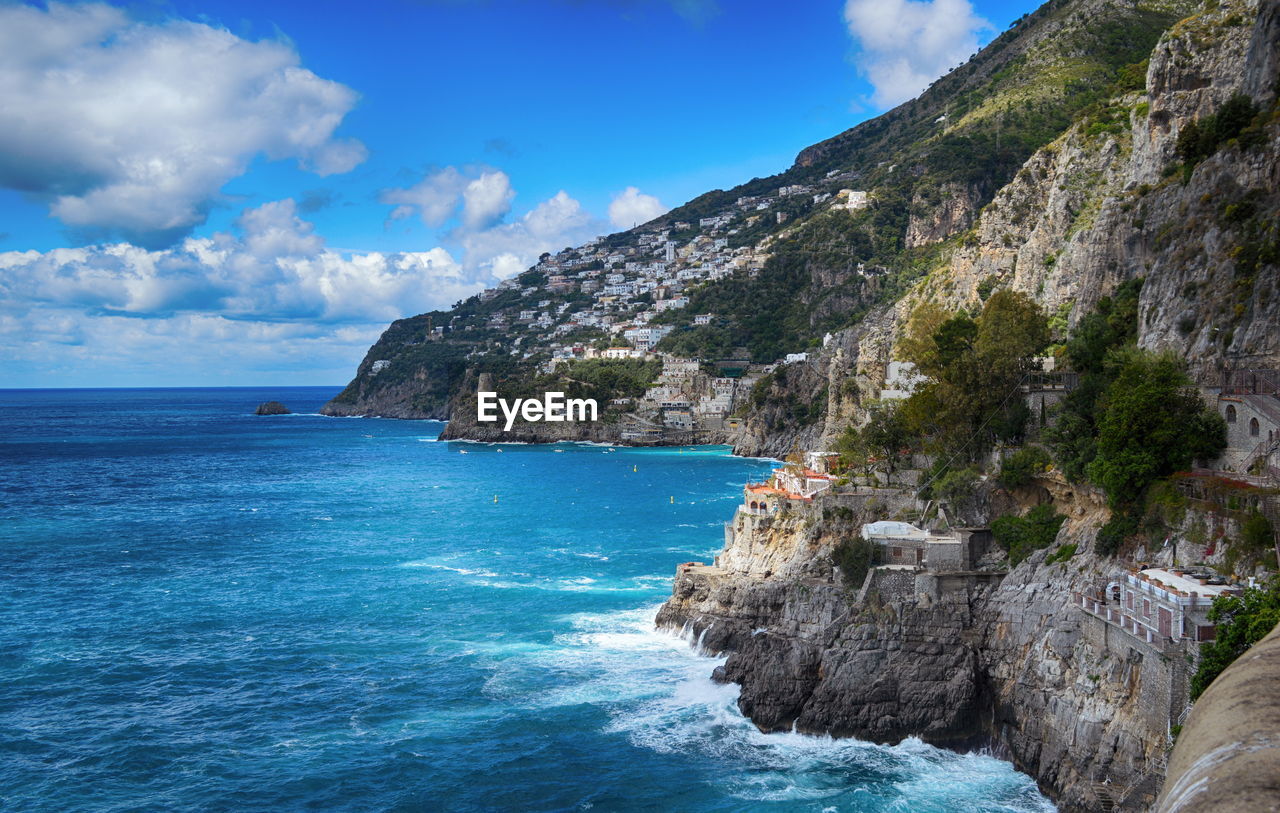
<point x="509" y="412"/>
<point x="555" y="406"/>
<point x="485" y="406"/>
<point x="580" y="404"/>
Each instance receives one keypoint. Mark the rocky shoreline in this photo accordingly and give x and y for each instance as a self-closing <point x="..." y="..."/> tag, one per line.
<point x="969" y="660"/>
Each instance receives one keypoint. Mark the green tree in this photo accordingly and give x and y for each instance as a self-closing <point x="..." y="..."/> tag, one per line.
<point x="1113" y="324"/>
<point x="1242" y="621"/>
<point x="1011" y="330"/>
<point x="852" y="448"/>
<point x="973" y="368"/>
<point x="954" y="342"/>
<point x="917" y="344"/>
<point x="854" y="556"/>
<point x="1152" y="424"/>
<point x="1022" y="536"/>
<point x="886" y="433"/>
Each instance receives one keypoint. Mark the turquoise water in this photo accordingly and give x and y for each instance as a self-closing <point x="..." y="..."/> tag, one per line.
<point x="207" y="610"/>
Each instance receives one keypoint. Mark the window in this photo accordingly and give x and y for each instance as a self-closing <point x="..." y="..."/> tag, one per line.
<point x="1253" y="427"/>
<point x="1231" y="413"/>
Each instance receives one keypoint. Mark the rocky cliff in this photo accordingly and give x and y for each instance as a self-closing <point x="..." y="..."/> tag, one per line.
<point x="1227" y="759"/>
<point x="1110" y="200"/>
<point x="967" y="659"/>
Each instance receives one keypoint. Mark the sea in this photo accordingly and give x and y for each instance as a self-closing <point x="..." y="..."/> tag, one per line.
<point x="202" y="609"/>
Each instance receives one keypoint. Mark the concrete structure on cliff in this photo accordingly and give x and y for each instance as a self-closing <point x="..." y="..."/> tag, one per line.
<point x="901" y="543"/>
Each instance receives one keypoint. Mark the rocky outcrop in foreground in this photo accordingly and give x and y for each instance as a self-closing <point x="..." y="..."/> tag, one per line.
<point x="1227" y="759"/>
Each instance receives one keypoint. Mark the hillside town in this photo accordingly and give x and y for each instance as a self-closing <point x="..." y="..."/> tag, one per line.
<point x="616" y="299"/>
<point x="621" y="289"/>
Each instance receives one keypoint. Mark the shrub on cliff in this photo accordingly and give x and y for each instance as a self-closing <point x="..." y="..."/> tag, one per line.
<point x="1242" y="621"/>
<point x="1022" y="536"/>
<point x="854" y="556"/>
<point x="1201" y="138"/>
<point x="1022" y="466"/>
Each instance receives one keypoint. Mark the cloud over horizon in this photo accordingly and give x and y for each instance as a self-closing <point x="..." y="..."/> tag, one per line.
<point x="270" y="286"/>
<point x="479" y="198"/>
<point x="904" y="45"/>
<point x="130" y="129"/>
<point x="277" y="269"/>
<point x="259" y="296"/>
<point x="631" y="207"/>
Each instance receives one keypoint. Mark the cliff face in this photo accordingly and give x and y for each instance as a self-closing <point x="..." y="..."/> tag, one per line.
<point x="1076" y="704"/>
<point x="965" y="659"/>
<point x="1108" y="201"/>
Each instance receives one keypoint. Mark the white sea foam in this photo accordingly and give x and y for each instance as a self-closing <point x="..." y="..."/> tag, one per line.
<point x="659" y="695"/>
<point x="462" y="571"/>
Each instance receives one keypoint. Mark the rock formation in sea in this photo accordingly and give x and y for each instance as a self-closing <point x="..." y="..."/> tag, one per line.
<point x="271" y="408"/>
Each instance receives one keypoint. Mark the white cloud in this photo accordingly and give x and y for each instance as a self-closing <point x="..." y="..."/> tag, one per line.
<point x="906" y="44"/>
<point x="276" y="270"/>
<point x="632" y="207"/>
<point x="509" y="248"/>
<point x="484" y="195"/>
<point x="132" y="129"/>
<point x="435" y="198"/>
<point x="268" y="303"/>
<point x="480" y="198"/>
<point x="486" y="200"/>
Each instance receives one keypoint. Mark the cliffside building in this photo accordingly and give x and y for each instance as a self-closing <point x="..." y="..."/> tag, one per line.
<point x="902" y="543"/>
<point x="1249" y="401"/>
<point x="1159" y="606"/>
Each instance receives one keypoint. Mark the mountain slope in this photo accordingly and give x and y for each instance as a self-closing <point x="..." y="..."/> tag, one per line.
<point x="1038" y="128"/>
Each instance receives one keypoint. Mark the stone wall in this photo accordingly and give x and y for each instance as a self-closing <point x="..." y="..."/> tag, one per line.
<point x="888" y="584"/>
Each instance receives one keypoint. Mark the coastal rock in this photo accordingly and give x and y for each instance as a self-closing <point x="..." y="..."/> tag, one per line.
<point x="963" y="660"/>
<point x="272" y="408"/>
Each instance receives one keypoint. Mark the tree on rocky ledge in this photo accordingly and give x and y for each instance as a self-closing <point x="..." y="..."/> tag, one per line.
<point x="972" y="367"/>
<point x="1152" y="424"/>
<point x="1241" y="622"/>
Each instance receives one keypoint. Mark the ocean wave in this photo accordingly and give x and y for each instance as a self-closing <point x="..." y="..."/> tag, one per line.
<point x="462" y="571"/>
<point x="659" y="695"/>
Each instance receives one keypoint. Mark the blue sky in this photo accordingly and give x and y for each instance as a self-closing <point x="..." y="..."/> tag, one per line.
<point x="218" y="193"/>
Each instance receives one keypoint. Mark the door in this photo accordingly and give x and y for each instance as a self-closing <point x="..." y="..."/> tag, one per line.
<point x="1166" y="622"/>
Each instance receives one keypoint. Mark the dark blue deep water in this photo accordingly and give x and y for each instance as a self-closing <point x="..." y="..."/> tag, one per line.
<point x="205" y="610"/>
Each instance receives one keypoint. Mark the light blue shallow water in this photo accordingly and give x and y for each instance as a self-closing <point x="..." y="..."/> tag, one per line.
<point x="202" y="609"/>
